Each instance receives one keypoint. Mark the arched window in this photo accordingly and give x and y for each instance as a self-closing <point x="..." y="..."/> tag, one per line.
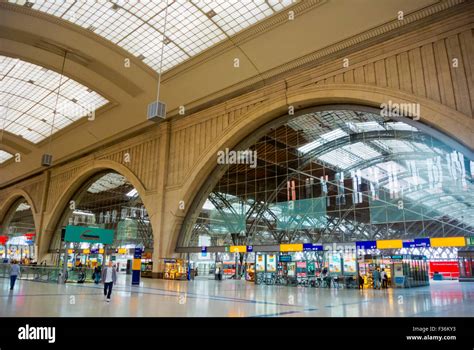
<point x="18" y="234"/>
<point x="108" y="201"/>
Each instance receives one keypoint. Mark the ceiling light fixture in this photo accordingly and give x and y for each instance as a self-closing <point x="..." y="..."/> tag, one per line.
<point x="211" y="13"/>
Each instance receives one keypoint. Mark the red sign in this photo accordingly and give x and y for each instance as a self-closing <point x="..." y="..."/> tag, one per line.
<point x="3" y="240"/>
<point x="449" y="269"/>
<point x="29" y="236"/>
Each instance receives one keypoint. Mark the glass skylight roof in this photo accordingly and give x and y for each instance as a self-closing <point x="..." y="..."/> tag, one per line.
<point x="4" y="156"/>
<point x="137" y="26"/>
<point x="28" y="98"/>
<point x="107" y="182"/>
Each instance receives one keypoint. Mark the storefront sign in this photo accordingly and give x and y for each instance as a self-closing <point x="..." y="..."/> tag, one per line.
<point x="249" y="248"/>
<point x="311" y="247"/>
<point x="89" y="234"/>
<point x="410" y="244"/>
<point x="422" y="242"/>
<point x="3" y="240"/>
<point x="95" y="251"/>
<point x="470" y="241"/>
<point x="390" y="244"/>
<point x="366" y="245"/>
<point x="285" y="258"/>
<point x="397" y="257"/>
<point x="448" y="242"/>
<point x="122" y="251"/>
<point x="291" y="247"/>
<point x="203" y="251"/>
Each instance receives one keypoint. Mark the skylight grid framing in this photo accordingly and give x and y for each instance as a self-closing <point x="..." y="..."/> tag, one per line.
<point x="30" y="93"/>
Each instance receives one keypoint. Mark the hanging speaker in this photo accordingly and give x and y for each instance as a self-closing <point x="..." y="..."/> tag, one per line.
<point x="46" y="159"/>
<point x="156" y="111"/>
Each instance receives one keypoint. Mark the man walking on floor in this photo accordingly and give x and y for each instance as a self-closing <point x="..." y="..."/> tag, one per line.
<point x="109" y="278"/>
<point x="14" y="272"/>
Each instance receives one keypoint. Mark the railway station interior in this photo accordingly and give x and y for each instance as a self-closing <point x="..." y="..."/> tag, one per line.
<point x="247" y="158"/>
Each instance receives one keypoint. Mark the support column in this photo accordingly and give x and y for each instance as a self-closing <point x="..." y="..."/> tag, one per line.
<point x="160" y="213"/>
<point x="41" y="241"/>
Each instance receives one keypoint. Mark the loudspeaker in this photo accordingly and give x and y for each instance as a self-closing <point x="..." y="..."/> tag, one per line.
<point x="46" y="160"/>
<point x="156" y="111"/>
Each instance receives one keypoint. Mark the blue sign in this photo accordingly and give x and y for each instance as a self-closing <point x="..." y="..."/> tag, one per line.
<point x="285" y="258"/>
<point x="138" y="253"/>
<point x="422" y="242"/>
<point x="311" y="247"/>
<point x="249" y="248"/>
<point x="95" y="251"/>
<point x="136" y="266"/>
<point x="203" y="251"/>
<point x="410" y="244"/>
<point x="366" y="245"/>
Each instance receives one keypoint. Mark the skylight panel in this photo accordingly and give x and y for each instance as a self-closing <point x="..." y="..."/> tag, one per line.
<point x="4" y="156"/>
<point x="189" y="27"/>
<point x="324" y="138"/>
<point x="362" y="151"/>
<point x="365" y="126"/>
<point x="28" y="96"/>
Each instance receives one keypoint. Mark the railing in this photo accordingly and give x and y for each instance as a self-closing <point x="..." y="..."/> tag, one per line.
<point x="47" y="274"/>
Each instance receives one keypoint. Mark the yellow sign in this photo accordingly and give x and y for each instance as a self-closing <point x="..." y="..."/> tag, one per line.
<point x="390" y="244"/>
<point x="291" y="247"/>
<point x="86" y="251"/>
<point x="137" y="264"/>
<point x="448" y="242"/>
<point x="70" y="251"/>
<point x="238" y="249"/>
<point x="122" y="251"/>
<point x="101" y="251"/>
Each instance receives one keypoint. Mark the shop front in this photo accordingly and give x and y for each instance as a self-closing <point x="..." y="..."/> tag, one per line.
<point x="403" y="271"/>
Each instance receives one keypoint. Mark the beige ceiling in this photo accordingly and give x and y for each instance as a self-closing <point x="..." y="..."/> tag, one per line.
<point x="99" y="64"/>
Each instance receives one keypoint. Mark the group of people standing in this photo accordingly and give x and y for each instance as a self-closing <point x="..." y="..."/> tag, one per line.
<point x="379" y="278"/>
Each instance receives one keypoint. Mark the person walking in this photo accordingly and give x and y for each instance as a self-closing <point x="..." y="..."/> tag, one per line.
<point x="384" y="278"/>
<point x="14" y="272"/>
<point x="361" y="281"/>
<point x="109" y="278"/>
<point x="376" y="278"/>
<point x="97" y="274"/>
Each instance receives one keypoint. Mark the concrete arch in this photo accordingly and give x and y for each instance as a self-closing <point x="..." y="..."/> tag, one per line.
<point x="433" y="114"/>
<point x="10" y="201"/>
<point x="52" y="218"/>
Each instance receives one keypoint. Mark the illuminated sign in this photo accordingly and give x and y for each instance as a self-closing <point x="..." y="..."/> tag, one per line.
<point x="238" y="249"/>
<point x="310" y="247"/>
<point x="422" y="242"/>
<point x="390" y="244"/>
<point x="291" y="247"/>
<point x="366" y="245"/>
<point x="448" y="242"/>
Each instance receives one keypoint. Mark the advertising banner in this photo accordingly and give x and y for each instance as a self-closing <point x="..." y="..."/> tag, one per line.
<point x="271" y="263"/>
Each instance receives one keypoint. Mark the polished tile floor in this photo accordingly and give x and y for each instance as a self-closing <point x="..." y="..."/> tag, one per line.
<point x="232" y="299"/>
